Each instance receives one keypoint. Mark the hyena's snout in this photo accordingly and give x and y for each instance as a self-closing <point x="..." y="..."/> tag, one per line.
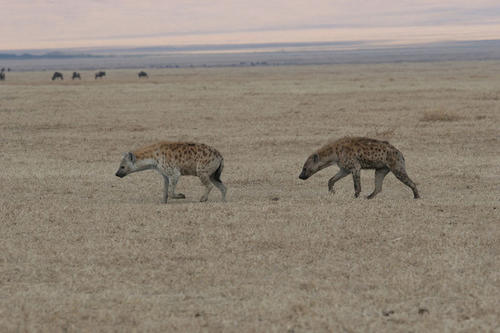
<point x="304" y="174"/>
<point x="120" y="173"/>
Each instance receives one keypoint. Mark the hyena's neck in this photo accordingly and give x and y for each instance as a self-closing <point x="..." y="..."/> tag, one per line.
<point x="145" y="160"/>
<point x="328" y="155"/>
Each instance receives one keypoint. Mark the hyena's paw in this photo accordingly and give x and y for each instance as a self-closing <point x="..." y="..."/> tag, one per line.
<point x="204" y="198"/>
<point x="331" y="191"/>
<point x="179" y="196"/>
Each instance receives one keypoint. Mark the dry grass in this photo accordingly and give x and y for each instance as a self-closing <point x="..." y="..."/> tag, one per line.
<point x="382" y="134"/>
<point x="82" y="250"/>
<point x="439" y="115"/>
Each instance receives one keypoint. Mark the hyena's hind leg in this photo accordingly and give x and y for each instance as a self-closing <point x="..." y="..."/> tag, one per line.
<point x="215" y="179"/>
<point x="205" y="180"/>
<point x="403" y="177"/>
<point x="379" y="179"/>
<point x="397" y="166"/>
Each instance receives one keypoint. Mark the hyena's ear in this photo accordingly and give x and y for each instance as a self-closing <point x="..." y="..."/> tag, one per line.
<point x="315" y="158"/>
<point x="131" y="157"/>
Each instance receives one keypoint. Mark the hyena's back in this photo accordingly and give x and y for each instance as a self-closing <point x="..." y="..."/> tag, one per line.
<point x="370" y="153"/>
<point x="191" y="159"/>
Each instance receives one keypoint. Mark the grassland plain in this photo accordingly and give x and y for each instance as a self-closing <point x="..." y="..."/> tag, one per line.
<point x="82" y="250"/>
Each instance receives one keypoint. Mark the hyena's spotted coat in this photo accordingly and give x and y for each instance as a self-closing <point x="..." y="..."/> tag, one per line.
<point x="175" y="159"/>
<point x="352" y="154"/>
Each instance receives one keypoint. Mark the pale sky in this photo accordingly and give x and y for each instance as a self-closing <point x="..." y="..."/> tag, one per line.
<point x="32" y="24"/>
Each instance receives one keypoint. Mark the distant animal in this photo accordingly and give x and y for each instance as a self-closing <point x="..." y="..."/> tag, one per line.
<point x="57" y="75"/>
<point x="76" y="75"/>
<point x="175" y="159"/>
<point x="2" y="70"/>
<point x="8" y="69"/>
<point x="2" y="76"/>
<point x="142" y="74"/>
<point x="100" y="75"/>
<point x="352" y="154"/>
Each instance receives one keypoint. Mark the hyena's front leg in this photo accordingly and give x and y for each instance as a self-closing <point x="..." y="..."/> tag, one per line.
<point x="356" y="177"/>
<point x="341" y="174"/>
<point x="165" y="189"/>
<point x="205" y="180"/>
<point x="174" y="178"/>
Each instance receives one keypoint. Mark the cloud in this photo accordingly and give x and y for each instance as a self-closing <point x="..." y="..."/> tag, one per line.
<point x="58" y="22"/>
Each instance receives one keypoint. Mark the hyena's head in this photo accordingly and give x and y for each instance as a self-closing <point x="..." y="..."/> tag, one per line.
<point x="127" y="165"/>
<point x="311" y="166"/>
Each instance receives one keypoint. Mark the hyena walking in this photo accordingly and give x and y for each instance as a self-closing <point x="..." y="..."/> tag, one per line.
<point x="352" y="154"/>
<point x="175" y="159"/>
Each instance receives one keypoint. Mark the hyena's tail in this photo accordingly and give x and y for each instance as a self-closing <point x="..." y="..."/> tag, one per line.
<point x="215" y="179"/>
<point x="218" y="172"/>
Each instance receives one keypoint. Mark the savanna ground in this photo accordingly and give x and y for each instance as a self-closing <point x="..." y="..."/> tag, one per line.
<point x="82" y="250"/>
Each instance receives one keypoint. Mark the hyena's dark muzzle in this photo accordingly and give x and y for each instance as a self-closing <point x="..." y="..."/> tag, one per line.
<point x="120" y="174"/>
<point x="303" y="175"/>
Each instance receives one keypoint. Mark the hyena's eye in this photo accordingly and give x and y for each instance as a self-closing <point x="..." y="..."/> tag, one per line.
<point x="122" y="167"/>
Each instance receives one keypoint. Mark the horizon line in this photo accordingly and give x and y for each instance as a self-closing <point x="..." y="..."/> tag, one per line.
<point x="246" y="45"/>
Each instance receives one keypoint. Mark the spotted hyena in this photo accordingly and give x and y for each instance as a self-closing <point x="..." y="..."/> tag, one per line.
<point x="352" y="154"/>
<point x="175" y="159"/>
